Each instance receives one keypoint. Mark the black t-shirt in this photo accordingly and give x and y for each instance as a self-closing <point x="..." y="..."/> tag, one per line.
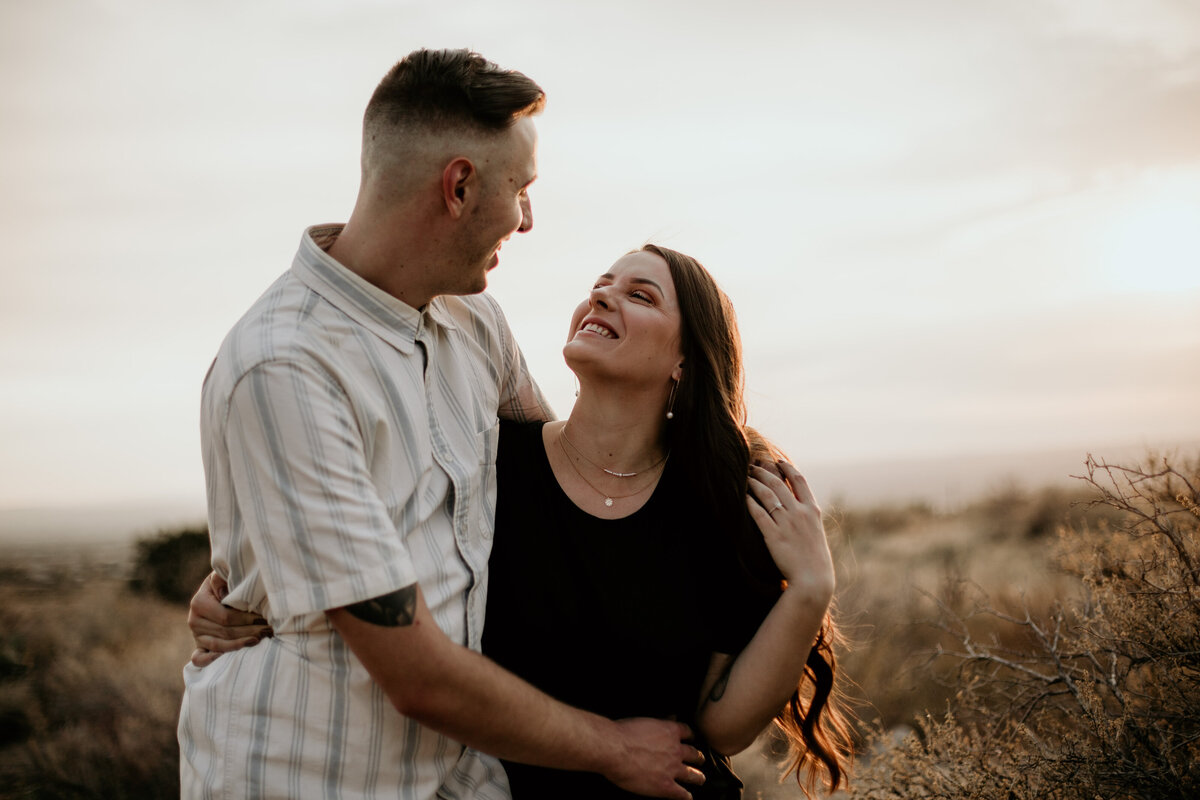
<point x="619" y="617"/>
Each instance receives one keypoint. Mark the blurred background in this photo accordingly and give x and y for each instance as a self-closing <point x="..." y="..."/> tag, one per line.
<point x="963" y="239"/>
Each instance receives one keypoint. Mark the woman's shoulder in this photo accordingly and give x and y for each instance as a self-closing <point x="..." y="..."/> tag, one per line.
<point x="521" y="430"/>
<point x="520" y="439"/>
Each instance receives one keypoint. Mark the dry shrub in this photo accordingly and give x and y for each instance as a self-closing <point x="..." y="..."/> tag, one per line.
<point x="1097" y="696"/>
<point x="171" y="564"/>
<point x="92" y="695"/>
<point x="1012" y="513"/>
<point x="881" y="519"/>
<point x="882" y="613"/>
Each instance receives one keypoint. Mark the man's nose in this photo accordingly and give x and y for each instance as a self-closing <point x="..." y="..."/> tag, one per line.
<point x="526" y="215"/>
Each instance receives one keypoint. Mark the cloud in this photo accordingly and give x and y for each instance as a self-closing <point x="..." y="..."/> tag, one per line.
<point x="891" y="176"/>
<point x="1067" y="105"/>
<point x="1109" y="370"/>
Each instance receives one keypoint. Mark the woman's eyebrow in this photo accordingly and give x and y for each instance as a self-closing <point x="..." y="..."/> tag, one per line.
<point x="608" y="276"/>
<point x="647" y="282"/>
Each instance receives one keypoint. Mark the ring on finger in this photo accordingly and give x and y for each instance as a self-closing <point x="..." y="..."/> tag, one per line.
<point x="774" y="508"/>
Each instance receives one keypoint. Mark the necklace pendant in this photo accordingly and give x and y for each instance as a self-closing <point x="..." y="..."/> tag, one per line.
<point x="608" y="502"/>
<point x="616" y="474"/>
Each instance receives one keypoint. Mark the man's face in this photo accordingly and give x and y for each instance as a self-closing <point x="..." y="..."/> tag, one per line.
<point x="506" y="171"/>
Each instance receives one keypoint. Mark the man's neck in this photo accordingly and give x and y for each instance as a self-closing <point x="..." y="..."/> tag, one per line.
<point x="386" y="262"/>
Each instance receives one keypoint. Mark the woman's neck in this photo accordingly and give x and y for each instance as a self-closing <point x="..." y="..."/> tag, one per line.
<point x="622" y="435"/>
<point x="608" y="471"/>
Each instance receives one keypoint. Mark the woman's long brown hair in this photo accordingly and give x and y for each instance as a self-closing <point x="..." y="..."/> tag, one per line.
<point x="708" y="434"/>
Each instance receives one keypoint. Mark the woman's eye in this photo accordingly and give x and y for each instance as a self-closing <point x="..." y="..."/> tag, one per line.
<point x="640" y="295"/>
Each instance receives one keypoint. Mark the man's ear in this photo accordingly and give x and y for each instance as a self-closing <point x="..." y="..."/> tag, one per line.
<point x="460" y="180"/>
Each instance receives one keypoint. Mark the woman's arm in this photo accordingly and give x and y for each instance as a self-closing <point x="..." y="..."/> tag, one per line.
<point x="741" y="695"/>
<point x="220" y="629"/>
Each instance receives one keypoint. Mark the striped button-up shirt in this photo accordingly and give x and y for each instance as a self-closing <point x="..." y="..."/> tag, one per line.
<point x="349" y="446"/>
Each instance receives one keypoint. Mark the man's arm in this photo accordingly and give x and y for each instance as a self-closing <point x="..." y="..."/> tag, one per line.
<point x="521" y="399"/>
<point x="323" y="539"/>
<point x="474" y="701"/>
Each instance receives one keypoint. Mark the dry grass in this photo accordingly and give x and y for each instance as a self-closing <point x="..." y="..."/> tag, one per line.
<point x="90" y="672"/>
<point x="90" y="689"/>
<point x="899" y="567"/>
<point x="1091" y="693"/>
<point x="893" y="577"/>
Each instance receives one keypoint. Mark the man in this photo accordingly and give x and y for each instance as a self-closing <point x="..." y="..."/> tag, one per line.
<point x="349" y="432"/>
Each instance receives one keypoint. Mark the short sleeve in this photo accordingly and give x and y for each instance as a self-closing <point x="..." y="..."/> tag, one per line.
<point x="319" y="529"/>
<point x="521" y="399"/>
<point x="742" y="602"/>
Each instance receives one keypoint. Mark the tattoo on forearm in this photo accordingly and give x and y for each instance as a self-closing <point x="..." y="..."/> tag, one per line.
<point x="395" y="610"/>
<point x="718" y="689"/>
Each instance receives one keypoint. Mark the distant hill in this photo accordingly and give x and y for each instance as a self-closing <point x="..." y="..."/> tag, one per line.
<point x="952" y="481"/>
<point x="116" y="523"/>
<point x="945" y="482"/>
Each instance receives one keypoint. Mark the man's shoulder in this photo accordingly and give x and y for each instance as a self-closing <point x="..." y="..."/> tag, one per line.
<point x="479" y="317"/>
<point x="284" y="324"/>
<point x="464" y="307"/>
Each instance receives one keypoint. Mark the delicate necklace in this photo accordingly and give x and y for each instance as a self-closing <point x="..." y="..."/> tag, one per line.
<point x="608" y="498"/>
<point x="614" y="473"/>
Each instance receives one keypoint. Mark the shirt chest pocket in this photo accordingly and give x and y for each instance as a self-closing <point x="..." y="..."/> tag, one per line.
<point x="483" y="483"/>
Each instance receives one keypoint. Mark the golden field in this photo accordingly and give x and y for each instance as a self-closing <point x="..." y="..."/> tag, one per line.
<point x="1004" y="649"/>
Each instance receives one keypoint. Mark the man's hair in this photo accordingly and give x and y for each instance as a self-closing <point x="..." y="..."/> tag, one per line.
<point x="434" y="91"/>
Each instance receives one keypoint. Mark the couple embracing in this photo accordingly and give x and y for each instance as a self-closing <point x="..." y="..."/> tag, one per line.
<point x="426" y="586"/>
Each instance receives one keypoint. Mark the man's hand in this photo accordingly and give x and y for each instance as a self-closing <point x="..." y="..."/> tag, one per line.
<point x="656" y="759"/>
<point x="219" y="629"/>
<point x="462" y="694"/>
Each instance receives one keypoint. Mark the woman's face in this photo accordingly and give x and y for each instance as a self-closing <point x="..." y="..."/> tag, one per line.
<point x="628" y="328"/>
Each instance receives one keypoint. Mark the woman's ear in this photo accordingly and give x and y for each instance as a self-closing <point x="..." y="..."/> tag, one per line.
<point x="677" y="373"/>
<point x="459" y="180"/>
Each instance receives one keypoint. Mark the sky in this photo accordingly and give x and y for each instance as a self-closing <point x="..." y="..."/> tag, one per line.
<point x="949" y="228"/>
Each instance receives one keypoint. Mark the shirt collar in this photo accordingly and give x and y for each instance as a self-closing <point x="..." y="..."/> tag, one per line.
<point x="388" y="317"/>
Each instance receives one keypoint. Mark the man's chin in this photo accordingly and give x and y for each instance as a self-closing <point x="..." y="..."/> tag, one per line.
<point x="480" y="285"/>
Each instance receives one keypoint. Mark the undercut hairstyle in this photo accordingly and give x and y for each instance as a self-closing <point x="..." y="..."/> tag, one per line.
<point x="709" y="435"/>
<point x="437" y="91"/>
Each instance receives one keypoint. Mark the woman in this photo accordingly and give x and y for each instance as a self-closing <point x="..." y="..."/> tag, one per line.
<point x="636" y="570"/>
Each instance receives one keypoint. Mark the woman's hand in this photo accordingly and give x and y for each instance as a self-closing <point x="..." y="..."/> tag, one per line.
<point x="790" y="521"/>
<point x="767" y="671"/>
<point x="219" y="629"/>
